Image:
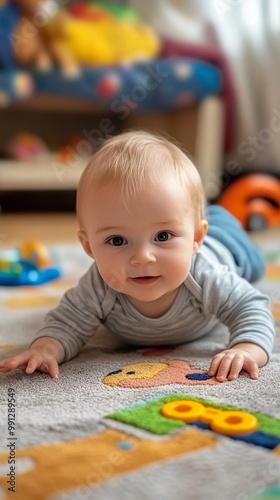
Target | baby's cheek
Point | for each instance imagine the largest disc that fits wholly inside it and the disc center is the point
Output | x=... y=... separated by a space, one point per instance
x=181 y=269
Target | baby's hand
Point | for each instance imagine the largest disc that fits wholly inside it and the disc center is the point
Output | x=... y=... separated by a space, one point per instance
x=43 y=355
x=228 y=364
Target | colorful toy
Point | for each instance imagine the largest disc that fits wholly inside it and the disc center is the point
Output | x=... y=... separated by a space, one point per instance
x=254 y=200
x=69 y=151
x=24 y=146
x=30 y=264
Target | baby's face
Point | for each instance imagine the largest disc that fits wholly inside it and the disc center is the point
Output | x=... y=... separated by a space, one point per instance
x=143 y=248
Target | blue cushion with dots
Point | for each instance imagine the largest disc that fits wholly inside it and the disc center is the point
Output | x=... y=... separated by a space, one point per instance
x=151 y=86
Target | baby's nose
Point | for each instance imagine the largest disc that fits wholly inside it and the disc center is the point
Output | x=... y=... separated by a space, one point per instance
x=142 y=255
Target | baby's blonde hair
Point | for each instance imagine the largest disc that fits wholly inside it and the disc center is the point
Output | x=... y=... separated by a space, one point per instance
x=134 y=160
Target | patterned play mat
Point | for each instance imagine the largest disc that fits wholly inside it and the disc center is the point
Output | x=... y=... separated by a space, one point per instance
x=131 y=423
x=271 y=282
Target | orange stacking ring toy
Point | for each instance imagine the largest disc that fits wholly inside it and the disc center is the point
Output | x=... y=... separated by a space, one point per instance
x=254 y=200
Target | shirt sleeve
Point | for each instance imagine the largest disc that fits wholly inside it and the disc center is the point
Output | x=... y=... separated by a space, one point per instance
x=78 y=315
x=236 y=303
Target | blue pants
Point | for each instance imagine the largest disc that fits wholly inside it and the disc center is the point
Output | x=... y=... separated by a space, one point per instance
x=228 y=231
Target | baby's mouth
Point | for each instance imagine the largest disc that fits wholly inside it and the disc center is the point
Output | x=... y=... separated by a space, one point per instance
x=144 y=279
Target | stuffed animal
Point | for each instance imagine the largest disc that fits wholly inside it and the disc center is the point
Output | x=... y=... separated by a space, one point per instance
x=37 y=37
x=46 y=35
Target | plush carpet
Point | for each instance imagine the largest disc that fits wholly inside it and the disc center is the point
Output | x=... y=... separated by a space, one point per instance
x=113 y=425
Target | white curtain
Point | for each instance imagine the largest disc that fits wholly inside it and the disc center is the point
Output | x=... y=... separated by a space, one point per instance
x=248 y=32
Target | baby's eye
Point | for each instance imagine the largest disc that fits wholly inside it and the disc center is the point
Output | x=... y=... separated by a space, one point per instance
x=163 y=236
x=117 y=241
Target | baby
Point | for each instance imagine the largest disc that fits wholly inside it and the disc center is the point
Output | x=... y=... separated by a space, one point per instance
x=157 y=278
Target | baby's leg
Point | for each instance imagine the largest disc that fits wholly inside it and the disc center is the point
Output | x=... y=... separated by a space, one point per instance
x=228 y=231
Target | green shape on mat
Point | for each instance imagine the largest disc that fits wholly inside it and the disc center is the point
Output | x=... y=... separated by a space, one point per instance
x=147 y=416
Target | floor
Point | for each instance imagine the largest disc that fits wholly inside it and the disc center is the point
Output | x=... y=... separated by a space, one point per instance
x=48 y=228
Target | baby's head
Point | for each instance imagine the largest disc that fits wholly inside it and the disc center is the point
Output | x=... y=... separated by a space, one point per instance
x=140 y=207
x=134 y=161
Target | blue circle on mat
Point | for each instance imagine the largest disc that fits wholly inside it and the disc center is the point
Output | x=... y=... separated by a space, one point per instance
x=198 y=376
x=125 y=445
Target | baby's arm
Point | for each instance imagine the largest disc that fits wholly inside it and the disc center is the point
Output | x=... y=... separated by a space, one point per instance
x=247 y=356
x=246 y=313
x=66 y=328
x=44 y=355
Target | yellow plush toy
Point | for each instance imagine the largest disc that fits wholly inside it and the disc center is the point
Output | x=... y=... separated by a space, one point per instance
x=107 y=42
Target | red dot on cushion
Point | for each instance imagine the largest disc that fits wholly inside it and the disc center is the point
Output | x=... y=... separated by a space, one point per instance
x=109 y=86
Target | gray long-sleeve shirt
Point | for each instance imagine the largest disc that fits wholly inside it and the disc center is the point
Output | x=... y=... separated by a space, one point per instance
x=212 y=293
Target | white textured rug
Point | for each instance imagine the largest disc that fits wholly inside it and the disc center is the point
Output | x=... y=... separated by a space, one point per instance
x=94 y=434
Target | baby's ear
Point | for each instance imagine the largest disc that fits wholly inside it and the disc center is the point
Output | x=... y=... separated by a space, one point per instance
x=82 y=235
x=199 y=234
